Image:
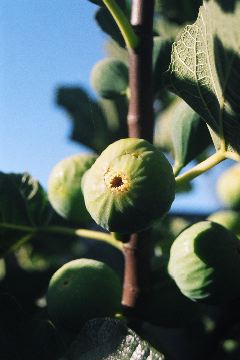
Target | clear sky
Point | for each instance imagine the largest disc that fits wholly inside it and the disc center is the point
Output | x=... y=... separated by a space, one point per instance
x=44 y=44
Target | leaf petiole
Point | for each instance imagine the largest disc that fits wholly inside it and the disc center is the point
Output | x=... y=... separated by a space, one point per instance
x=201 y=168
x=130 y=38
x=90 y=234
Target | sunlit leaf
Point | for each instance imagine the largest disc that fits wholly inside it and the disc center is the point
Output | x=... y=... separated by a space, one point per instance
x=205 y=70
x=109 y=339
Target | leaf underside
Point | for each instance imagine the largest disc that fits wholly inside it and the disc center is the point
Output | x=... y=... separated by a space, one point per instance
x=109 y=339
x=205 y=71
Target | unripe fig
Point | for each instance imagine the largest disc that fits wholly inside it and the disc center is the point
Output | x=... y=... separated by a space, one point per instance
x=109 y=78
x=205 y=263
x=129 y=186
x=81 y=290
x=64 y=187
x=230 y=219
x=167 y=306
x=228 y=187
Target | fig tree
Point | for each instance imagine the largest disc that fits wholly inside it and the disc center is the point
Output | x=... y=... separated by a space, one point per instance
x=205 y=263
x=129 y=186
x=81 y=290
x=64 y=187
x=228 y=187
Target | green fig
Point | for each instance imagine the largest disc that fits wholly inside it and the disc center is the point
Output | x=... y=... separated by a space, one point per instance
x=205 y=263
x=230 y=219
x=64 y=187
x=109 y=78
x=129 y=186
x=228 y=187
x=167 y=306
x=81 y=290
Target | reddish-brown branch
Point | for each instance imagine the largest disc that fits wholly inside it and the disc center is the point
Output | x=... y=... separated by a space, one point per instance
x=140 y=124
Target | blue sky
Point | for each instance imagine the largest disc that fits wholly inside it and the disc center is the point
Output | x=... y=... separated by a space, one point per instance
x=44 y=44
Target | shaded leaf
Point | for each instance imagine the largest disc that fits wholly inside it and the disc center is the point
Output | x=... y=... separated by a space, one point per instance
x=161 y=60
x=205 y=71
x=89 y=125
x=22 y=202
x=95 y=124
x=178 y=11
x=190 y=136
x=109 y=339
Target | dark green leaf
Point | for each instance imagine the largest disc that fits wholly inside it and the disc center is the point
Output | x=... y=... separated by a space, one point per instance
x=161 y=61
x=109 y=339
x=178 y=11
x=190 y=135
x=205 y=71
x=89 y=124
x=23 y=202
x=95 y=124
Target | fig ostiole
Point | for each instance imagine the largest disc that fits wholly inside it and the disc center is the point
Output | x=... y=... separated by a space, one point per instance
x=129 y=186
x=205 y=263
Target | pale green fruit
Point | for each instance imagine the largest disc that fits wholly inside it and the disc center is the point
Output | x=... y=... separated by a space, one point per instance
x=228 y=187
x=205 y=263
x=81 y=290
x=64 y=187
x=230 y=219
x=129 y=186
x=109 y=78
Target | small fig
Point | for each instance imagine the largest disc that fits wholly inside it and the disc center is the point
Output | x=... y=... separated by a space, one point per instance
x=129 y=186
x=81 y=290
x=64 y=187
x=109 y=78
x=230 y=219
x=205 y=263
x=228 y=187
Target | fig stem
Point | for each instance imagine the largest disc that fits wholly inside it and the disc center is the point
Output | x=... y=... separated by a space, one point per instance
x=137 y=248
x=90 y=234
x=201 y=168
x=129 y=36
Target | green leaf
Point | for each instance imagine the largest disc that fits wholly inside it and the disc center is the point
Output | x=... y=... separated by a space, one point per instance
x=205 y=71
x=178 y=11
x=23 y=202
x=161 y=61
x=109 y=339
x=89 y=124
x=190 y=135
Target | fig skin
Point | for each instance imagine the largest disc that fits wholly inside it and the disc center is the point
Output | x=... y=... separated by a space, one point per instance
x=82 y=290
x=109 y=78
x=228 y=187
x=230 y=219
x=205 y=263
x=64 y=187
x=129 y=186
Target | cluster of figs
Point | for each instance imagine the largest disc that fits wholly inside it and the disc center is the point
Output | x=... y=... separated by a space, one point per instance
x=126 y=189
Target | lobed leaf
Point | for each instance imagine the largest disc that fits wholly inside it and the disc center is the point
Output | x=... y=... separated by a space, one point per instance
x=109 y=339
x=205 y=70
